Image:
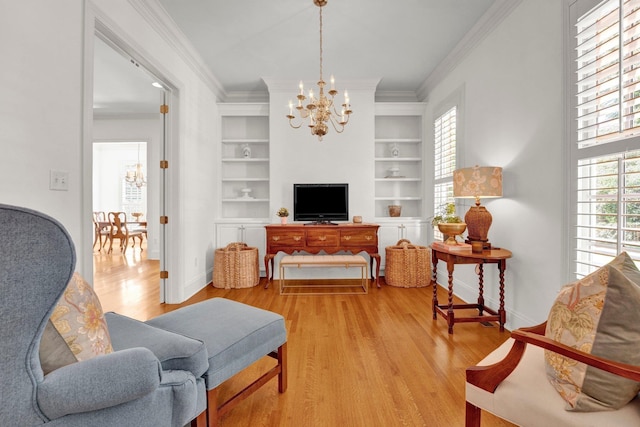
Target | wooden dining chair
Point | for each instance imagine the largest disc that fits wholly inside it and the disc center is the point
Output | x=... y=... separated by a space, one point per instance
x=100 y=229
x=119 y=230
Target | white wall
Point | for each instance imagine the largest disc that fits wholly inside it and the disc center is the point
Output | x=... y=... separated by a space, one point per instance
x=296 y=156
x=41 y=126
x=513 y=108
x=40 y=111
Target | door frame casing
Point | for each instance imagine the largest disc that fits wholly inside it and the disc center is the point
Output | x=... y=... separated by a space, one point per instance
x=96 y=24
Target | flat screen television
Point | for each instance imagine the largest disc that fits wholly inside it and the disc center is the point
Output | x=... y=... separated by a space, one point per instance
x=321 y=203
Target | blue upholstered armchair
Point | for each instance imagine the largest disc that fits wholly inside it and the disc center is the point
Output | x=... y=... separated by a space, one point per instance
x=129 y=386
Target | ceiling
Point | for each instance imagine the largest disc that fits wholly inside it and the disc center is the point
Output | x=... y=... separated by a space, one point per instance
x=400 y=42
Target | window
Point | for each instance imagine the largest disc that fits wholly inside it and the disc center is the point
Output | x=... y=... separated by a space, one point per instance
x=444 y=162
x=133 y=197
x=606 y=150
x=608 y=209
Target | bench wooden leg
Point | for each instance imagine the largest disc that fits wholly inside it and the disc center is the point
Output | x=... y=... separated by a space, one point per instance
x=215 y=411
x=200 y=421
x=282 y=362
x=212 y=407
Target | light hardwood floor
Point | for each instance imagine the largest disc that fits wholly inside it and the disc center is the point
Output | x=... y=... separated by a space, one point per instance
x=354 y=360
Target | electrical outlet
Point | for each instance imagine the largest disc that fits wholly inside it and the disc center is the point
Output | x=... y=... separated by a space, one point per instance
x=58 y=180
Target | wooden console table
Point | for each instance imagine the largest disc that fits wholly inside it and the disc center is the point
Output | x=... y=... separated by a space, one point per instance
x=354 y=238
x=492 y=256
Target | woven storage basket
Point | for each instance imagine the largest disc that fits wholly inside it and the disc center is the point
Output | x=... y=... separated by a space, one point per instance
x=236 y=266
x=407 y=265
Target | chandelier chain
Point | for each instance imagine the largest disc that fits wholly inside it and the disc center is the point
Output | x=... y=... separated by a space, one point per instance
x=321 y=43
x=320 y=110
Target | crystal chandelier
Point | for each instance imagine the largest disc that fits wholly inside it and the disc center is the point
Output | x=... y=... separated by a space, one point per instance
x=321 y=110
x=136 y=177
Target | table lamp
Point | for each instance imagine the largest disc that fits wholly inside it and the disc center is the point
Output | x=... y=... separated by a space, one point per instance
x=478 y=182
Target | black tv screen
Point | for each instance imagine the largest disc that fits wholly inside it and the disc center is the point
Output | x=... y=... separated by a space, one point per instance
x=320 y=202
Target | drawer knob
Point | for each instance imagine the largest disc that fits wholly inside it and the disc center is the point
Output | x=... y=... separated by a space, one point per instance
x=323 y=238
x=275 y=238
x=347 y=237
x=369 y=237
x=297 y=238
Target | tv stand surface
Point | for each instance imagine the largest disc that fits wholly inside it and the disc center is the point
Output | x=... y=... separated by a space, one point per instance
x=321 y=223
x=313 y=238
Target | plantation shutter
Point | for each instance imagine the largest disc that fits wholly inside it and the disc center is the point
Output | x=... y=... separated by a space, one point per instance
x=607 y=149
x=598 y=74
x=444 y=158
x=608 y=72
x=608 y=210
x=631 y=66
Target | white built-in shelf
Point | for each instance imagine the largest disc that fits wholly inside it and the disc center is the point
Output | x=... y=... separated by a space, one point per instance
x=244 y=160
x=244 y=200
x=398 y=151
x=244 y=125
x=245 y=179
x=245 y=141
x=398 y=140
x=398 y=159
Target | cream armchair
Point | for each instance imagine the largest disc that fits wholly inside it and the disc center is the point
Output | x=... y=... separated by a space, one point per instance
x=511 y=384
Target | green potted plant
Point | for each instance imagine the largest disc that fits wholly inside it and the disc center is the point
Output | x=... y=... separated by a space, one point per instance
x=283 y=213
x=449 y=223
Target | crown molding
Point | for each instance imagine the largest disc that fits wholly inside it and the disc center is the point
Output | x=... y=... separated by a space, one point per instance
x=279 y=85
x=396 y=96
x=243 y=109
x=153 y=12
x=487 y=23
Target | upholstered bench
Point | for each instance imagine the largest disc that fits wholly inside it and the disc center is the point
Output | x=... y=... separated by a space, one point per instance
x=235 y=335
x=345 y=261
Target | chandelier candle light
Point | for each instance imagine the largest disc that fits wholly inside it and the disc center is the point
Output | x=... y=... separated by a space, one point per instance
x=476 y=183
x=136 y=177
x=321 y=110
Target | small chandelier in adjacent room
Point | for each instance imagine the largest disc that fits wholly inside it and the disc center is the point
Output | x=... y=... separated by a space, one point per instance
x=136 y=177
x=320 y=110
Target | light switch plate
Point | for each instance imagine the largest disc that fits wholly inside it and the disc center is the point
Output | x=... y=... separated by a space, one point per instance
x=59 y=180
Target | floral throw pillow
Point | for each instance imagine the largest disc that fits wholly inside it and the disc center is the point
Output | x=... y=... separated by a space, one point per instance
x=600 y=315
x=77 y=329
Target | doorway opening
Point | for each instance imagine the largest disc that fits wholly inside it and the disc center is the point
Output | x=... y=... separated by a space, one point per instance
x=128 y=128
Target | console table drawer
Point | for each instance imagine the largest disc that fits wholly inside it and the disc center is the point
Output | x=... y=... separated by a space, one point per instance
x=358 y=237
x=328 y=238
x=288 y=239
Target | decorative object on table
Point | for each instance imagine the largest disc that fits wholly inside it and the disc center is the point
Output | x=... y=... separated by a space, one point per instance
x=449 y=224
x=458 y=247
x=246 y=151
x=283 y=213
x=395 y=210
x=321 y=110
x=395 y=150
x=236 y=266
x=476 y=183
x=245 y=193
x=407 y=265
x=357 y=219
x=476 y=247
